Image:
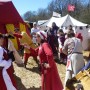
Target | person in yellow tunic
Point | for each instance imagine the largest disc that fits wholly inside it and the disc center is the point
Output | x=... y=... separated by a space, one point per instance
x=24 y=39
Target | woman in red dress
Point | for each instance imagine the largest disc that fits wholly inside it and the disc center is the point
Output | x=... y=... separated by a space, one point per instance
x=49 y=73
x=7 y=81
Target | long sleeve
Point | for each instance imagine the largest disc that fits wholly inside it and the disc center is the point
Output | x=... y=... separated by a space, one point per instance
x=17 y=35
x=49 y=53
x=1 y=53
x=34 y=51
x=2 y=62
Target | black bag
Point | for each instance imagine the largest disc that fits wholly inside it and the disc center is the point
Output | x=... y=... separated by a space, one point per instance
x=11 y=56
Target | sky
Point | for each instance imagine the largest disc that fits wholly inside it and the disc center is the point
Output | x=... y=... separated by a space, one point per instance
x=23 y=6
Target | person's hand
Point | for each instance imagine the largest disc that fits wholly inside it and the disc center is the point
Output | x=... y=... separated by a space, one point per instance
x=26 y=46
x=6 y=35
x=46 y=65
x=23 y=44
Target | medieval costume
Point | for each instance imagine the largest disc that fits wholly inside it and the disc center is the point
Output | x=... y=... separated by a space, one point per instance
x=49 y=74
x=53 y=39
x=25 y=39
x=61 y=40
x=7 y=81
x=8 y=44
x=75 y=61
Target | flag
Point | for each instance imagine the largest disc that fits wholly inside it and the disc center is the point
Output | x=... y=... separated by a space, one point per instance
x=55 y=14
x=71 y=8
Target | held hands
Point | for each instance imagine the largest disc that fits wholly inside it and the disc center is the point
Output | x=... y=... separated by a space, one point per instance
x=46 y=65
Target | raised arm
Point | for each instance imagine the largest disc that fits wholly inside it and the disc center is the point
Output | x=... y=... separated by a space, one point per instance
x=34 y=51
x=17 y=35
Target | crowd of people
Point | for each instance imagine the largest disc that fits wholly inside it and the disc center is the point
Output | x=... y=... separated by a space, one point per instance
x=46 y=45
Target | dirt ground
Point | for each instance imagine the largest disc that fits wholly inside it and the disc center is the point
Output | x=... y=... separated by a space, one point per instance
x=29 y=79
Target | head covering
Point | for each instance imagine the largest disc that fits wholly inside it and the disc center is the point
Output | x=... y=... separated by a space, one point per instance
x=34 y=24
x=42 y=34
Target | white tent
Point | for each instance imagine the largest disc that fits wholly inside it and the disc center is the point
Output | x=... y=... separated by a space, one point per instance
x=64 y=21
x=51 y=20
x=71 y=21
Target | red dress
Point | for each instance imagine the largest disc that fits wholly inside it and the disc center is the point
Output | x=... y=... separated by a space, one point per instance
x=10 y=72
x=50 y=80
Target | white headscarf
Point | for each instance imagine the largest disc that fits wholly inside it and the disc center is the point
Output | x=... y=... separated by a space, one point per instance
x=42 y=34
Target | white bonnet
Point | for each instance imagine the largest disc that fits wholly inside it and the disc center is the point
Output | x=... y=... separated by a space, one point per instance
x=42 y=34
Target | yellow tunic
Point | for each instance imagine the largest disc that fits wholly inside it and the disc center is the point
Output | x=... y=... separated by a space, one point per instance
x=26 y=39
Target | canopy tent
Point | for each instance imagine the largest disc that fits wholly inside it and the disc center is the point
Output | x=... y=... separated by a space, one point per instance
x=71 y=21
x=48 y=23
x=10 y=19
x=55 y=16
x=64 y=21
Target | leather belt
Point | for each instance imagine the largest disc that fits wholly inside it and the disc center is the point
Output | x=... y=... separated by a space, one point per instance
x=77 y=52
